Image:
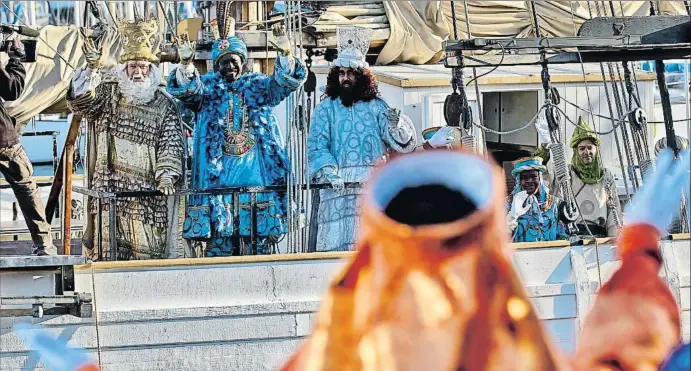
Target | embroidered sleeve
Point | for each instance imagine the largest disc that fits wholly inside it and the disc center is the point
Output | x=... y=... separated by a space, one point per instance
x=271 y=90
x=186 y=85
x=170 y=145
x=397 y=130
x=319 y=153
x=86 y=94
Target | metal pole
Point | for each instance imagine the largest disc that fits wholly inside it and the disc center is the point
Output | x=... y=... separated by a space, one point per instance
x=112 y=238
x=666 y=106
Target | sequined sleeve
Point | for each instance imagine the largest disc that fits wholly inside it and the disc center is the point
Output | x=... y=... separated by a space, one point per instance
x=188 y=91
x=86 y=94
x=170 y=144
x=261 y=90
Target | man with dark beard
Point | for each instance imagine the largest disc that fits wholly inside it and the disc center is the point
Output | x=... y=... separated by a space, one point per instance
x=136 y=144
x=351 y=130
x=237 y=143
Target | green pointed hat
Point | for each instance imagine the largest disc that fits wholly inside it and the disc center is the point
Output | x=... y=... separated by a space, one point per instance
x=583 y=131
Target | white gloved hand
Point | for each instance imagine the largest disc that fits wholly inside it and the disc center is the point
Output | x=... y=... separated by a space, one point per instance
x=165 y=184
x=334 y=179
x=543 y=128
x=517 y=208
x=657 y=201
x=442 y=138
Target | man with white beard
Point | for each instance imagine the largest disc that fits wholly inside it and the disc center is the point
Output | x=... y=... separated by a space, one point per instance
x=136 y=144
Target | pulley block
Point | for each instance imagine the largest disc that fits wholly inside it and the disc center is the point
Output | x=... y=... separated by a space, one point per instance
x=638 y=118
x=453 y=109
x=553 y=118
x=310 y=83
x=457 y=112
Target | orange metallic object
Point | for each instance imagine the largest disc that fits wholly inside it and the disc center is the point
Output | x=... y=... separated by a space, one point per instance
x=446 y=297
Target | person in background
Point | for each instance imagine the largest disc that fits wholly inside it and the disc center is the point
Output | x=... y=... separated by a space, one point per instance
x=136 y=144
x=14 y=163
x=592 y=184
x=351 y=130
x=533 y=210
x=237 y=143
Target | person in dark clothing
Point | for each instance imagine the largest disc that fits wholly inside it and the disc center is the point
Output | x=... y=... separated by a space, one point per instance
x=14 y=163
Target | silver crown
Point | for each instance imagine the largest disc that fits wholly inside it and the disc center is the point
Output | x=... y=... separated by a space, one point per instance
x=353 y=42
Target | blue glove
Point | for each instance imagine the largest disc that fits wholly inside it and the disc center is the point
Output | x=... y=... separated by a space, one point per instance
x=679 y=360
x=54 y=353
x=657 y=201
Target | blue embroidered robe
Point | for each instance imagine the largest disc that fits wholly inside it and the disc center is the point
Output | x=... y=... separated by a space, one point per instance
x=237 y=142
x=541 y=223
x=351 y=140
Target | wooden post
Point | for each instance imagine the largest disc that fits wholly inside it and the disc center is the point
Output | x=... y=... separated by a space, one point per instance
x=68 y=159
x=55 y=189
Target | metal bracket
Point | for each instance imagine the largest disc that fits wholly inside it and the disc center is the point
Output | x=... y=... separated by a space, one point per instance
x=78 y=305
x=605 y=39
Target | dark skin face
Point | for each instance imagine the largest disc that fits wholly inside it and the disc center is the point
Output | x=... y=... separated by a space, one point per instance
x=530 y=179
x=230 y=67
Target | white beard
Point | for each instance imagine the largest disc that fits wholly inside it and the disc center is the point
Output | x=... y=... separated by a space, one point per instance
x=138 y=93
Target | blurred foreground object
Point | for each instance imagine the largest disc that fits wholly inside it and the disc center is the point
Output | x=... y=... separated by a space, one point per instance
x=432 y=286
x=54 y=352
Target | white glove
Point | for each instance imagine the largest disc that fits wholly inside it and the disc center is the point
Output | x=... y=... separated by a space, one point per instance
x=543 y=128
x=334 y=179
x=517 y=208
x=657 y=201
x=442 y=138
x=165 y=184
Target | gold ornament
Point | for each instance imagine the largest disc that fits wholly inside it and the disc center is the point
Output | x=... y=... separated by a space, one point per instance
x=138 y=39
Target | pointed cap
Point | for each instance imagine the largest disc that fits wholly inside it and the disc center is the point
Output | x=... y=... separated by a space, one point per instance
x=583 y=131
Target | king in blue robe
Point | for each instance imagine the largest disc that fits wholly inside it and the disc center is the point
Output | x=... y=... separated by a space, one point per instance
x=237 y=143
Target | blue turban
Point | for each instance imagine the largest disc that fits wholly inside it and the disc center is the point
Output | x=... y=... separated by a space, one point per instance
x=227 y=46
x=527 y=163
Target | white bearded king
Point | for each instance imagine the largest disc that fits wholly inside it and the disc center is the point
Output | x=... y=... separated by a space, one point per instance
x=135 y=144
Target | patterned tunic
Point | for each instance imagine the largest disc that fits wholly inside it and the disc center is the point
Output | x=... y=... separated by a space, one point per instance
x=351 y=140
x=237 y=142
x=132 y=147
x=540 y=225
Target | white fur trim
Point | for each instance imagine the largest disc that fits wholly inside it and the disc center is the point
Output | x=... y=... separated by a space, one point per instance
x=459 y=171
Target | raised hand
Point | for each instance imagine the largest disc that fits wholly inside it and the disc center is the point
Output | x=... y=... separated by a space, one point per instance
x=187 y=49
x=443 y=137
x=393 y=115
x=657 y=201
x=92 y=52
x=280 y=41
x=15 y=49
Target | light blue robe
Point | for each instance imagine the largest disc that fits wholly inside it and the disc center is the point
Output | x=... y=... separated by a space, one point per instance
x=351 y=140
x=247 y=151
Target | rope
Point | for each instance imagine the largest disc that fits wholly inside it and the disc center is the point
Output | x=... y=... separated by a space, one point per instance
x=98 y=334
x=480 y=142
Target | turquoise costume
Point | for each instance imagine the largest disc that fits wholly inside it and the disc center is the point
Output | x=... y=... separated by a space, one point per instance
x=541 y=222
x=237 y=143
x=350 y=141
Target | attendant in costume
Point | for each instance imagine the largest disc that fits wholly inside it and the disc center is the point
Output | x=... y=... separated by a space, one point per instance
x=592 y=184
x=137 y=145
x=350 y=131
x=433 y=287
x=237 y=142
x=677 y=225
x=533 y=211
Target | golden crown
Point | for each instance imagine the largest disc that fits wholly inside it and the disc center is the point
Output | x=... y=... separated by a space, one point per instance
x=138 y=40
